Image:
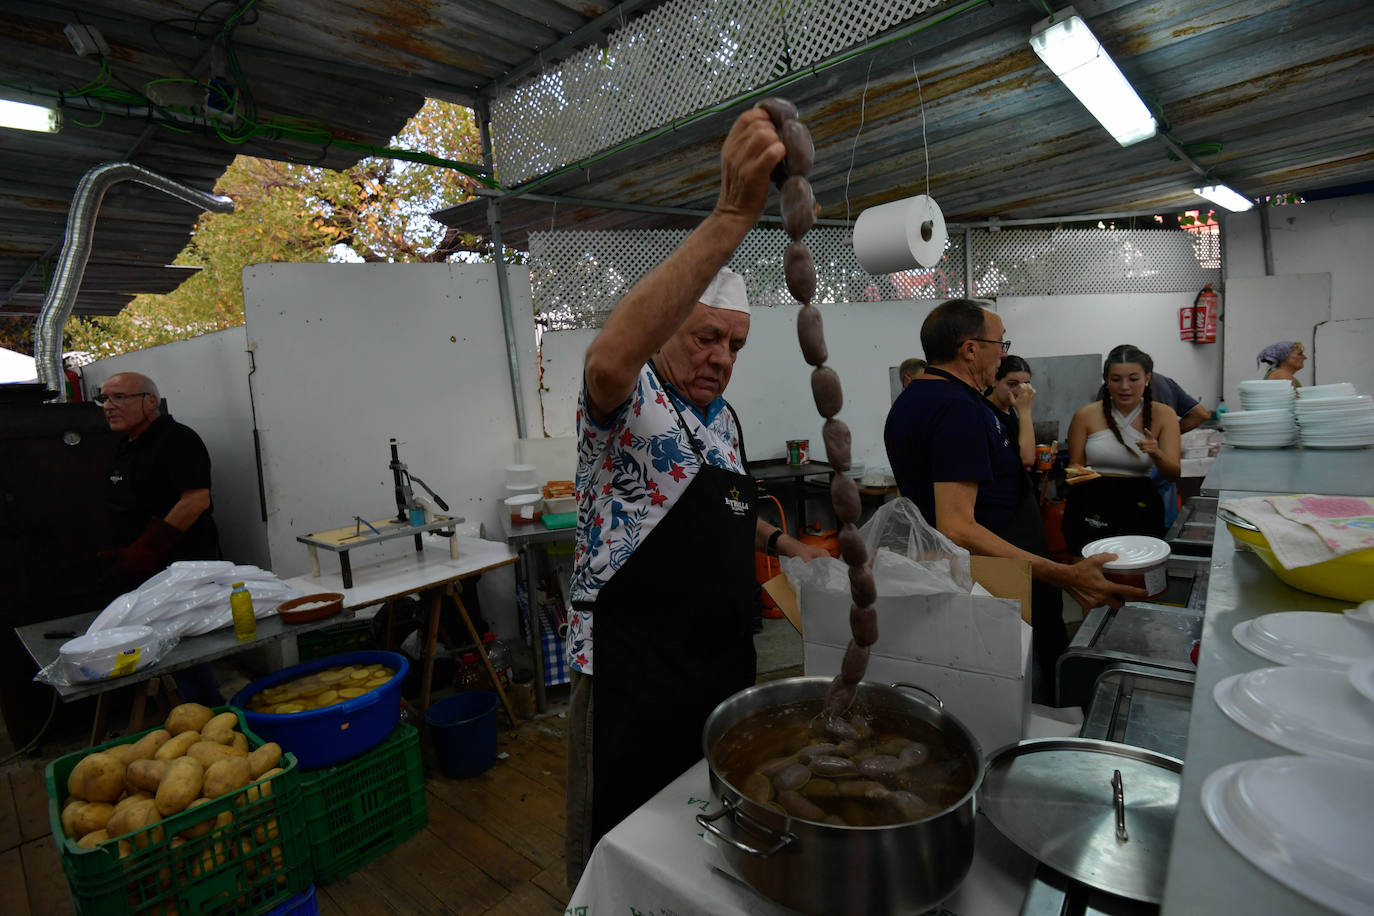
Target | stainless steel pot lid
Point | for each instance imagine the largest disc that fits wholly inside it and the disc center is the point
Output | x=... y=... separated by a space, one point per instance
x=1063 y=802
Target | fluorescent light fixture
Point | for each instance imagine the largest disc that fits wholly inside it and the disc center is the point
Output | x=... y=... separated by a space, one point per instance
x=1223 y=196
x=1068 y=47
x=25 y=111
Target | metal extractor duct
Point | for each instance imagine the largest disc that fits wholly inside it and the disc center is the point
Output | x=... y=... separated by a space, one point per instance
x=76 y=251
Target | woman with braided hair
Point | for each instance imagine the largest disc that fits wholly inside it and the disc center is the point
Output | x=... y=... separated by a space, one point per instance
x=1121 y=438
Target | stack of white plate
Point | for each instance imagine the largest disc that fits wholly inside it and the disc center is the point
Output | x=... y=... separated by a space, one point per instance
x=1270 y=394
x=1273 y=428
x=1340 y=421
x=1334 y=390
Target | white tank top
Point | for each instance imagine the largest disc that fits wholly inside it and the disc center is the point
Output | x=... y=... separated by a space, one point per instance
x=1105 y=455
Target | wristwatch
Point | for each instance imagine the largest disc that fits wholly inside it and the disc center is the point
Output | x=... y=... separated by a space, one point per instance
x=772 y=548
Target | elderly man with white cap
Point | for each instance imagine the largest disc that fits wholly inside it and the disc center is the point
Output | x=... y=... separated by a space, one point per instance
x=667 y=517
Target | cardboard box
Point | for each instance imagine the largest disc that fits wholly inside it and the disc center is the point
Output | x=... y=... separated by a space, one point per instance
x=973 y=651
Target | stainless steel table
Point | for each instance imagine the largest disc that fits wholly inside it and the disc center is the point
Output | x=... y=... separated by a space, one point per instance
x=525 y=539
x=1332 y=472
x=1206 y=875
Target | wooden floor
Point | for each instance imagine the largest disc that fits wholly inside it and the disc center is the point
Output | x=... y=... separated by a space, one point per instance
x=494 y=843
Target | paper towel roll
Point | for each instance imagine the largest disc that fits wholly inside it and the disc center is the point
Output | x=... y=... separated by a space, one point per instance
x=900 y=235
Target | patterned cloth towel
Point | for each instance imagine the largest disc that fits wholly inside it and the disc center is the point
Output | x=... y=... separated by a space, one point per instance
x=555 y=655
x=1308 y=529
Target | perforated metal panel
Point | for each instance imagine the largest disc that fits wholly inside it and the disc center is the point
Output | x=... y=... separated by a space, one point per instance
x=1038 y=263
x=675 y=60
x=578 y=277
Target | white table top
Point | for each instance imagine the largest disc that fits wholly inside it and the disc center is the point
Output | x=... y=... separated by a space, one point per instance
x=656 y=861
x=384 y=580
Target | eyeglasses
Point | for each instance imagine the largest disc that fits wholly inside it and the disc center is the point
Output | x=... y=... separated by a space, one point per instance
x=1004 y=344
x=120 y=398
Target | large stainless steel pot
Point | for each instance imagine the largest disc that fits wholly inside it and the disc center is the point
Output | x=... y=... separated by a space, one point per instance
x=824 y=869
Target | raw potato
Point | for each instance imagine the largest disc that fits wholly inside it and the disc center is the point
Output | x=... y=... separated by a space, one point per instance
x=177 y=747
x=92 y=817
x=145 y=819
x=240 y=742
x=208 y=752
x=93 y=839
x=201 y=828
x=99 y=777
x=225 y=776
x=221 y=728
x=180 y=786
x=264 y=759
x=146 y=775
x=188 y=717
x=147 y=746
x=124 y=753
x=69 y=814
x=132 y=799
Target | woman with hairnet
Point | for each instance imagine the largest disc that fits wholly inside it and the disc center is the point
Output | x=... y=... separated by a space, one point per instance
x=1284 y=359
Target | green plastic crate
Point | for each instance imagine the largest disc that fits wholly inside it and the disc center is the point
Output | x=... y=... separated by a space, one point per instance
x=346 y=637
x=257 y=862
x=361 y=808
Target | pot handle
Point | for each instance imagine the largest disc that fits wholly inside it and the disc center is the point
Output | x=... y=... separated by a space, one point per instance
x=707 y=821
x=939 y=703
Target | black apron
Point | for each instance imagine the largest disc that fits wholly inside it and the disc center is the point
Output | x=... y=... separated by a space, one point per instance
x=1109 y=506
x=672 y=639
x=1026 y=529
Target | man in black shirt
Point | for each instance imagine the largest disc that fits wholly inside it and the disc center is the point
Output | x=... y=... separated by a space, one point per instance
x=953 y=459
x=159 y=484
x=158 y=495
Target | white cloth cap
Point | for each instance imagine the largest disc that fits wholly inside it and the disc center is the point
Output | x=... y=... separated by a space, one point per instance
x=727 y=292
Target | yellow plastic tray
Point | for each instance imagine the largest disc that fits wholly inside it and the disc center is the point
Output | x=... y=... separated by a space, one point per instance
x=1350 y=577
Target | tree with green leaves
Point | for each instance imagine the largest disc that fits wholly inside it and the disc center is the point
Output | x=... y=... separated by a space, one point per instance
x=287 y=212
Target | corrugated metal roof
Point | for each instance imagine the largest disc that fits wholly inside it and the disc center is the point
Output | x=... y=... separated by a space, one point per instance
x=361 y=69
x=1284 y=87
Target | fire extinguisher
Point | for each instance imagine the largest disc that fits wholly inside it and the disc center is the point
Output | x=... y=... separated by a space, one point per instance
x=1206 y=307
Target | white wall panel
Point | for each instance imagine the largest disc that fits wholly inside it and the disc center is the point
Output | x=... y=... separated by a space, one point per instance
x=205 y=382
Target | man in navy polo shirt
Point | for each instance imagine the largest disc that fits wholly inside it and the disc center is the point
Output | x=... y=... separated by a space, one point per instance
x=953 y=459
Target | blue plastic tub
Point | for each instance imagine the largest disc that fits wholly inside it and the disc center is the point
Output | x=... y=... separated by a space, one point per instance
x=303 y=904
x=323 y=737
x=463 y=729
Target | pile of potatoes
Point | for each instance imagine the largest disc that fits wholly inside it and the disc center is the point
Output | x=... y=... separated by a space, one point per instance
x=320 y=688
x=196 y=757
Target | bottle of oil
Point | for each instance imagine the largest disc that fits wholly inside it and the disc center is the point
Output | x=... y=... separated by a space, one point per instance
x=241 y=603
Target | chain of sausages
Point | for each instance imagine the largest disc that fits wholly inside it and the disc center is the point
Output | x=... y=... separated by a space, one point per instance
x=798 y=216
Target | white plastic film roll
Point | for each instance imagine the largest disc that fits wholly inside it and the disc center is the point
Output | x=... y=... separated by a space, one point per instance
x=901 y=235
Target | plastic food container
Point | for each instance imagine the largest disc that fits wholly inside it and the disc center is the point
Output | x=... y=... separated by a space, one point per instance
x=108 y=653
x=1140 y=561
x=525 y=508
x=559 y=504
x=321 y=737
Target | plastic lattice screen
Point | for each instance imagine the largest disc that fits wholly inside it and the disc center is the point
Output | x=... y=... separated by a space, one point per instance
x=674 y=61
x=578 y=277
x=1038 y=262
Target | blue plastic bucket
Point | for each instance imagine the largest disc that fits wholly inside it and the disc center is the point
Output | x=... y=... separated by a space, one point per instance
x=326 y=736
x=463 y=729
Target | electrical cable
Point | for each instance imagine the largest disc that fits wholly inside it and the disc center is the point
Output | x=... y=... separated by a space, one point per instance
x=863 y=101
x=52 y=710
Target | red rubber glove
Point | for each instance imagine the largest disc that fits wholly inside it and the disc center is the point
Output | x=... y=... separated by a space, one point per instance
x=145 y=556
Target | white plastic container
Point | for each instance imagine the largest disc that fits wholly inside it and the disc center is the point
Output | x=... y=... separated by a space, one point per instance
x=1140 y=561
x=525 y=508
x=108 y=653
x=555 y=505
x=521 y=475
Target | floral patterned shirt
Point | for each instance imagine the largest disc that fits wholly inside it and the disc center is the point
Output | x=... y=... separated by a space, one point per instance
x=630 y=473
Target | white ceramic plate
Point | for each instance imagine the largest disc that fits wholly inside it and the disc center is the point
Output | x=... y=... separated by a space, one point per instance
x=1304 y=821
x=1314 y=711
x=1364 y=444
x=1362 y=679
x=1306 y=638
x=1364 y=614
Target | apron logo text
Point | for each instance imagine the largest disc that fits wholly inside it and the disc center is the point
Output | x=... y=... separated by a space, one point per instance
x=736 y=505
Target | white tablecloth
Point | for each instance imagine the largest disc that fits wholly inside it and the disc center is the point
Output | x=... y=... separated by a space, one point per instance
x=659 y=861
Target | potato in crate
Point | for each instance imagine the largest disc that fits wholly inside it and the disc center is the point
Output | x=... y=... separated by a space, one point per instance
x=198 y=816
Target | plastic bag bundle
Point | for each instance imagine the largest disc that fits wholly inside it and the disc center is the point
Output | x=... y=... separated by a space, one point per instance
x=192 y=598
x=898 y=526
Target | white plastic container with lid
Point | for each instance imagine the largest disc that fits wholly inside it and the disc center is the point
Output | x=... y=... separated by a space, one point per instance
x=109 y=653
x=1140 y=561
x=525 y=508
x=521 y=475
